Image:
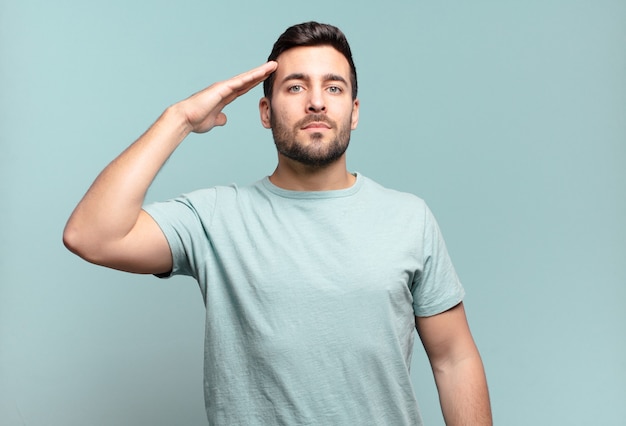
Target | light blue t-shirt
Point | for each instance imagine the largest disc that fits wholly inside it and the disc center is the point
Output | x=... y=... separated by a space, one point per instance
x=311 y=299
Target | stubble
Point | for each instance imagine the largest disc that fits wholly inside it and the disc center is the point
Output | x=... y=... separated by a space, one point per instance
x=314 y=152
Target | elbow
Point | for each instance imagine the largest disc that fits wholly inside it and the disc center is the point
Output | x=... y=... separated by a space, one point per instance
x=74 y=239
x=71 y=239
x=88 y=244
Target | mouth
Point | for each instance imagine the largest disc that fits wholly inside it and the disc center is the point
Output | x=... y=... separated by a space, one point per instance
x=316 y=125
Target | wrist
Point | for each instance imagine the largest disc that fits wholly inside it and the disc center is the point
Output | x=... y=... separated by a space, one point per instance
x=175 y=117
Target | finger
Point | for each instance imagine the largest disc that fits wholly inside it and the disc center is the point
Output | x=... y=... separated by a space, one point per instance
x=242 y=83
x=256 y=75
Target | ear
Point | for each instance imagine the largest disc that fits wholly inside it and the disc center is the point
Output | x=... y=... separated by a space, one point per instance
x=355 y=114
x=265 y=111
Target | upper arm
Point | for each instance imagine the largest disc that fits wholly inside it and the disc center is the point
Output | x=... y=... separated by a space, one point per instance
x=446 y=336
x=143 y=250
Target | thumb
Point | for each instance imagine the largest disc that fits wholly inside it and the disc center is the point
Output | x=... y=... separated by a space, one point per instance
x=221 y=119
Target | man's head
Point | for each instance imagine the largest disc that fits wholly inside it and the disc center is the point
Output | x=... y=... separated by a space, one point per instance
x=311 y=34
x=310 y=101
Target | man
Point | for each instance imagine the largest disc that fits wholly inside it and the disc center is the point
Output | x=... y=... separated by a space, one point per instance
x=314 y=278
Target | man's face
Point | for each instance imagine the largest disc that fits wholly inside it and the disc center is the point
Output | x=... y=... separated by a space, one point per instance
x=312 y=112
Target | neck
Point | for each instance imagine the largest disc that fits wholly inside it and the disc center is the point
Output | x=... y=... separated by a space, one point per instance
x=295 y=176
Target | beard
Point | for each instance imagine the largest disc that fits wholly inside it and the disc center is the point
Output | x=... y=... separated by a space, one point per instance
x=317 y=153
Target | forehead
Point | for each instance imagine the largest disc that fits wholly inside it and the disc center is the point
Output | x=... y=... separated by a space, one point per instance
x=312 y=61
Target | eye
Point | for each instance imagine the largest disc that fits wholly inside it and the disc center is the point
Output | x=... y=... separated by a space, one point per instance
x=335 y=90
x=296 y=88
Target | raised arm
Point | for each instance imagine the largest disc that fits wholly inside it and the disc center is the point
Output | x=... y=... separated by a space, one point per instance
x=457 y=368
x=108 y=226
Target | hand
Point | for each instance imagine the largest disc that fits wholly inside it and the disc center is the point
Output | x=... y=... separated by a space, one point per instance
x=203 y=110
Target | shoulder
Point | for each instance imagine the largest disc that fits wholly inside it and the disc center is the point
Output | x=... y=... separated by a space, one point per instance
x=392 y=197
x=212 y=195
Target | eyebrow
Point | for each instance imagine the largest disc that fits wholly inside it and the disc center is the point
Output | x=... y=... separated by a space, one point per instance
x=326 y=77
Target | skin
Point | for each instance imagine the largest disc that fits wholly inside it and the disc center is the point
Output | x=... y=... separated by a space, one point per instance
x=457 y=367
x=312 y=83
x=311 y=109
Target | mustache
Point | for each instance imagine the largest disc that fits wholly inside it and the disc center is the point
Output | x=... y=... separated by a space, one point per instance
x=315 y=118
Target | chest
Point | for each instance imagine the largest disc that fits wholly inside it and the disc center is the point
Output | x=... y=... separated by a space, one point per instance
x=317 y=256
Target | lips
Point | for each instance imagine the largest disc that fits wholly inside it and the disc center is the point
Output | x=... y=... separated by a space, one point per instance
x=317 y=125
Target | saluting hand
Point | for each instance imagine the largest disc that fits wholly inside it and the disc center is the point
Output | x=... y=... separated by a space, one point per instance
x=203 y=110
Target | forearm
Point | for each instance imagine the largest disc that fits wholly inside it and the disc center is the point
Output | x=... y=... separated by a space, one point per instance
x=463 y=392
x=111 y=206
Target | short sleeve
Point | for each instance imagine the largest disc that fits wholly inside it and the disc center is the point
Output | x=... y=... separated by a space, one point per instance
x=185 y=221
x=437 y=288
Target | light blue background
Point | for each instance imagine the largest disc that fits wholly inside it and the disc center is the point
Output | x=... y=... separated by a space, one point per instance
x=508 y=117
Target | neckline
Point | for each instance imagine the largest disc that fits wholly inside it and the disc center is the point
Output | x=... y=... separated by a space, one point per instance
x=333 y=193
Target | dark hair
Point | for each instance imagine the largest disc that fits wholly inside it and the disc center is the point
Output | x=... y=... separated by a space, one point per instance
x=311 y=34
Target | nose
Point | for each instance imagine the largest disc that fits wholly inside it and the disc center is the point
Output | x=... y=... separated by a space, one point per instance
x=316 y=102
